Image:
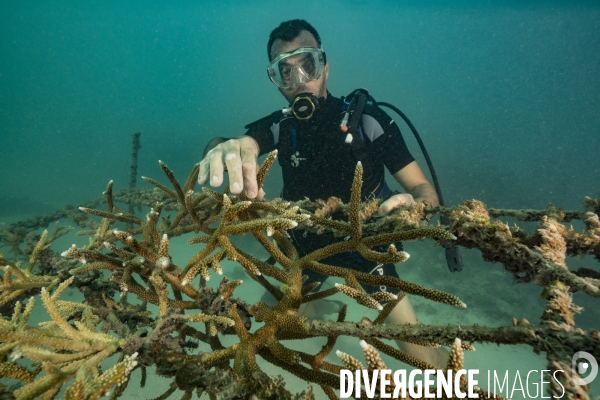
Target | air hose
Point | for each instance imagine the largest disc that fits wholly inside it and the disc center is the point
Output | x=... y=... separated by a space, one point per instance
x=453 y=256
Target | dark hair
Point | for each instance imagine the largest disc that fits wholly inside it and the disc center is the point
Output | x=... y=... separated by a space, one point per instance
x=289 y=30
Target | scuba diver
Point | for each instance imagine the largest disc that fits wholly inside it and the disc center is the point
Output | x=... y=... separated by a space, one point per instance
x=320 y=138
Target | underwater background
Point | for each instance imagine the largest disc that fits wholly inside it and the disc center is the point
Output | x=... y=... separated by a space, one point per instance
x=505 y=95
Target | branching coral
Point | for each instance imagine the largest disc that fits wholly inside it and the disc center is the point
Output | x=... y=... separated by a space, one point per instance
x=18 y=281
x=62 y=350
x=140 y=265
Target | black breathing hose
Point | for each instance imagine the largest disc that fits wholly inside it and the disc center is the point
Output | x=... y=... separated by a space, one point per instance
x=453 y=256
x=436 y=183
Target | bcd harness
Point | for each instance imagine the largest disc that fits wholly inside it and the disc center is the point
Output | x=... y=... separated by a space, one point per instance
x=293 y=127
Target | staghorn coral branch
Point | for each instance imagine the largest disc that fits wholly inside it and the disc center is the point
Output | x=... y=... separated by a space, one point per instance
x=170 y=193
x=56 y=316
x=264 y=168
x=273 y=250
x=360 y=296
x=349 y=361
x=318 y=377
x=41 y=245
x=108 y=193
x=190 y=182
x=42 y=355
x=354 y=211
x=173 y=180
x=189 y=204
x=320 y=295
x=261 y=224
x=128 y=219
x=265 y=268
x=98 y=387
x=16 y=371
x=375 y=280
x=400 y=355
x=153 y=298
x=392 y=256
x=94 y=267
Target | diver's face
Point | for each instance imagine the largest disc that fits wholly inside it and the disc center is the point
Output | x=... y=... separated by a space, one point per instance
x=317 y=87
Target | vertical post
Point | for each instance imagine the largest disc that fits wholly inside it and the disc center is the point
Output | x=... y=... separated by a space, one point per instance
x=135 y=147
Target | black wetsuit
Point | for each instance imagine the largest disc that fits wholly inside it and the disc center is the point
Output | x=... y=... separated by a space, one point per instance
x=317 y=163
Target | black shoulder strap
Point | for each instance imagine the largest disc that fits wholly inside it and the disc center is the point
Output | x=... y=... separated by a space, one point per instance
x=356 y=105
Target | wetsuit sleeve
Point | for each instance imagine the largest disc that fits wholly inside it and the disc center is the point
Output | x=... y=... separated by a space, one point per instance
x=387 y=140
x=263 y=132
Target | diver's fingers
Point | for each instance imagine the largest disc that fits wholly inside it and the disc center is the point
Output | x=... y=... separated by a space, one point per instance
x=215 y=160
x=261 y=194
x=234 y=169
x=203 y=171
x=395 y=201
x=249 y=171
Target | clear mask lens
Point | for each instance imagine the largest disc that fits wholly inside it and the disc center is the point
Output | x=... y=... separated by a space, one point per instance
x=289 y=70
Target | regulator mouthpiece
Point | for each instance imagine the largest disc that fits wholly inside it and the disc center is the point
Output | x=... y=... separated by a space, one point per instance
x=303 y=107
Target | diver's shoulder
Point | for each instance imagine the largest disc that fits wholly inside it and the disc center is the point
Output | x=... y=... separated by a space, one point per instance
x=377 y=113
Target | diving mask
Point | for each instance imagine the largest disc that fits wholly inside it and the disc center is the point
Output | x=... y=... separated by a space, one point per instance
x=294 y=68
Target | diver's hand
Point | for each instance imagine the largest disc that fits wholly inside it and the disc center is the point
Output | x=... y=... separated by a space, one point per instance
x=238 y=158
x=395 y=201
